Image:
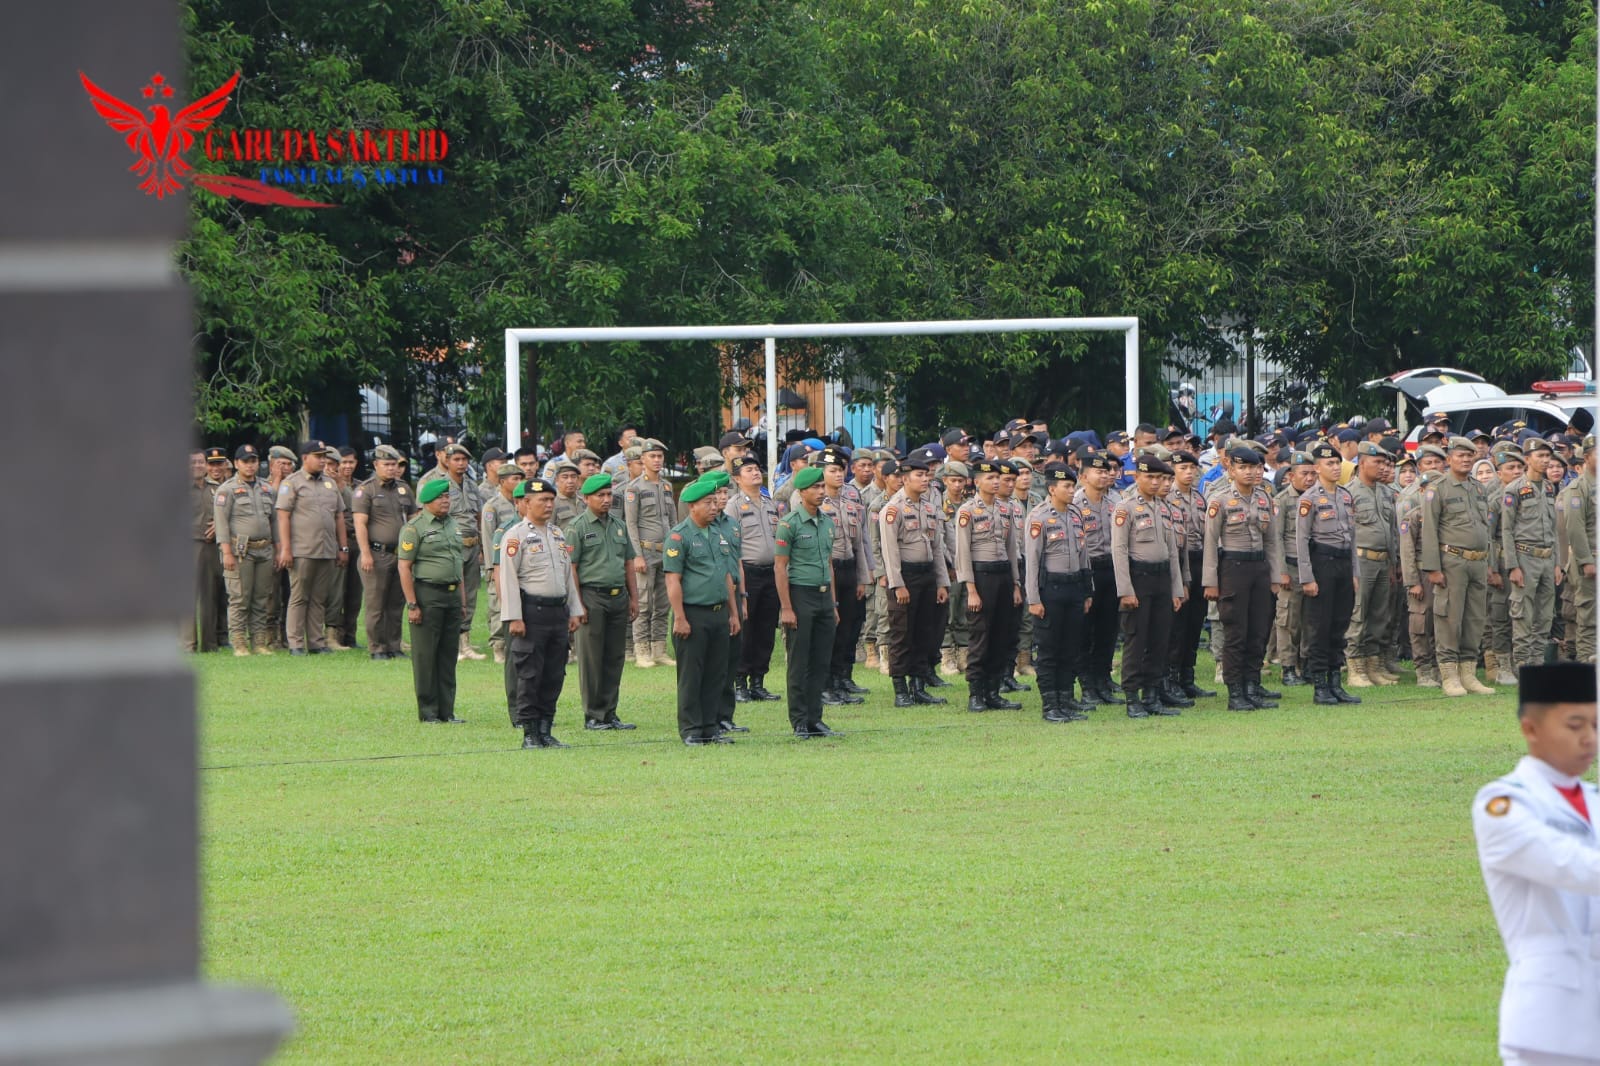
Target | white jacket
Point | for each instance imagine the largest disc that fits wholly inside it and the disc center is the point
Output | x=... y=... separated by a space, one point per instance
x=1541 y=863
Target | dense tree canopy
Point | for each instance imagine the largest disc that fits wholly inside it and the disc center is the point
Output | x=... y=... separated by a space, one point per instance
x=1361 y=184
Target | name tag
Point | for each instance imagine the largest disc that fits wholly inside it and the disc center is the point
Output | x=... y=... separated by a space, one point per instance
x=1145 y=522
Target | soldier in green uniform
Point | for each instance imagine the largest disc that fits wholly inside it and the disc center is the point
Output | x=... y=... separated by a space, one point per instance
x=704 y=614
x=430 y=562
x=808 y=612
x=1576 y=506
x=729 y=537
x=383 y=504
x=1528 y=548
x=601 y=552
x=540 y=605
x=1453 y=553
x=246 y=532
x=465 y=507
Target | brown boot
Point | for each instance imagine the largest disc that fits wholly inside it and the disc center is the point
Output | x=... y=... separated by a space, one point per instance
x=1358 y=674
x=1428 y=676
x=1470 y=682
x=871 y=662
x=467 y=651
x=1024 y=664
x=1376 y=673
x=1450 y=679
x=659 y=651
x=947 y=663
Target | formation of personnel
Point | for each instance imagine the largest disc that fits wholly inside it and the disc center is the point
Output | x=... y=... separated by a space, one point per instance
x=1333 y=554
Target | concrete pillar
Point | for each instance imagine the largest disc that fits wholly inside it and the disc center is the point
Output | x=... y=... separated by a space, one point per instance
x=99 y=918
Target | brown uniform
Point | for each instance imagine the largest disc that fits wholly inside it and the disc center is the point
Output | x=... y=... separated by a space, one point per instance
x=986 y=544
x=650 y=512
x=243 y=515
x=387 y=507
x=1145 y=562
x=912 y=536
x=316 y=509
x=1455 y=541
x=1243 y=556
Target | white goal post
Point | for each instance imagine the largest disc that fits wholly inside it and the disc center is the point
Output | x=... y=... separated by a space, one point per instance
x=516 y=338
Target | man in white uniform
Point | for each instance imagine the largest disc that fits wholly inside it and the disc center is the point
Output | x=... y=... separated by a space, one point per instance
x=1541 y=863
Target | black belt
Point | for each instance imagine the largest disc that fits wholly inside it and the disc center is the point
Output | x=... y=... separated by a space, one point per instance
x=707 y=606
x=991 y=568
x=812 y=588
x=1137 y=567
x=1243 y=557
x=447 y=585
x=605 y=590
x=1328 y=551
x=545 y=601
x=381 y=547
x=758 y=566
x=1290 y=561
x=844 y=564
x=916 y=568
x=1075 y=578
x=1100 y=562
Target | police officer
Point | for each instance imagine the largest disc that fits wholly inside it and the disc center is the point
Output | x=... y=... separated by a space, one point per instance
x=430 y=564
x=1188 y=509
x=601 y=552
x=540 y=605
x=568 y=476
x=465 y=508
x=1528 y=547
x=649 y=511
x=1057 y=582
x=499 y=514
x=888 y=475
x=1377 y=553
x=383 y=504
x=1541 y=863
x=756 y=517
x=1012 y=472
x=1289 y=633
x=311 y=546
x=911 y=533
x=1147 y=564
x=1326 y=548
x=344 y=603
x=1095 y=500
x=1510 y=465
x=807 y=594
x=1419 y=592
x=952 y=481
x=1243 y=566
x=1454 y=555
x=246 y=533
x=1576 y=505
x=851 y=563
x=209 y=470
x=986 y=546
x=705 y=612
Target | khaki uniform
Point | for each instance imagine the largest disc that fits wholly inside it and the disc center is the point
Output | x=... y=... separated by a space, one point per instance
x=567 y=508
x=1188 y=514
x=1576 y=507
x=315 y=507
x=1288 y=632
x=1527 y=531
x=851 y=561
x=1148 y=564
x=1408 y=515
x=498 y=515
x=957 y=632
x=911 y=535
x=1325 y=544
x=1455 y=541
x=1497 y=616
x=650 y=512
x=243 y=514
x=1377 y=548
x=1243 y=557
x=878 y=616
x=202 y=635
x=388 y=506
x=757 y=520
x=344 y=600
x=538 y=589
x=870 y=495
x=1056 y=574
x=1100 y=629
x=987 y=542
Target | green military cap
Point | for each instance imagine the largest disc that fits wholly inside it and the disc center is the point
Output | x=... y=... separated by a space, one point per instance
x=717 y=479
x=278 y=451
x=954 y=468
x=1462 y=444
x=457 y=449
x=652 y=445
x=1536 y=444
x=332 y=454
x=806 y=478
x=432 y=490
x=594 y=483
x=698 y=491
x=1366 y=448
x=1022 y=464
x=505 y=470
x=1431 y=449
x=384 y=451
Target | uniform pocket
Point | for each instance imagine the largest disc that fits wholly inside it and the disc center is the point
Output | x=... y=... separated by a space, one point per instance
x=1441 y=602
x=1559 y=971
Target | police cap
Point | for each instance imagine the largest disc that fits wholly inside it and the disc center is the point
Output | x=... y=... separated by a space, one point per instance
x=385 y=451
x=1053 y=472
x=1324 y=451
x=216 y=455
x=245 y=451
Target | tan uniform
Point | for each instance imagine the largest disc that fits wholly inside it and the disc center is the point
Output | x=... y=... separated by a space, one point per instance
x=1325 y=543
x=1101 y=626
x=1377 y=546
x=912 y=536
x=650 y=511
x=243 y=513
x=1455 y=541
x=208 y=576
x=1576 y=506
x=498 y=515
x=1408 y=518
x=1243 y=559
x=986 y=545
x=1147 y=563
x=1527 y=530
x=316 y=509
x=1288 y=644
x=387 y=507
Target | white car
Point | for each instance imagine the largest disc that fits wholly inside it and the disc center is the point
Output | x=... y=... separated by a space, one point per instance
x=1471 y=403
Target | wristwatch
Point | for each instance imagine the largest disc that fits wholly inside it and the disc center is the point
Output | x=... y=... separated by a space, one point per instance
x=412 y=607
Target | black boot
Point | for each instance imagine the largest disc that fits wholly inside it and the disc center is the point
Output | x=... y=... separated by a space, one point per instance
x=902 y=693
x=544 y=733
x=1258 y=695
x=932 y=680
x=842 y=691
x=1335 y=683
x=1106 y=691
x=1171 y=692
x=532 y=737
x=1136 y=707
x=1075 y=710
x=848 y=684
x=1323 y=692
x=1110 y=687
x=741 y=689
x=1155 y=698
x=1009 y=683
x=1053 y=711
x=1292 y=677
x=997 y=702
x=977 y=696
x=1262 y=693
x=1239 y=699
x=758 y=690
x=919 y=692
x=1190 y=689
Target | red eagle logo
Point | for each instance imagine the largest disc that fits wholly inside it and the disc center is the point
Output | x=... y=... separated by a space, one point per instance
x=160 y=139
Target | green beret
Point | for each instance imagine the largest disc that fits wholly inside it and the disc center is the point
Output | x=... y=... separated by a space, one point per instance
x=594 y=483
x=699 y=490
x=807 y=477
x=432 y=490
x=717 y=479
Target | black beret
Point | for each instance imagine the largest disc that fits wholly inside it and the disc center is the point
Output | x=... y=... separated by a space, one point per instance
x=1247 y=456
x=1059 y=472
x=1008 y=467
x=1325 y=451
x=1093 y=457
x=1556 y=683
x=1149 y=464
x=984 y=466
x=1179 y=458
x=744 y=461
x=836 y=455
x=889 y=467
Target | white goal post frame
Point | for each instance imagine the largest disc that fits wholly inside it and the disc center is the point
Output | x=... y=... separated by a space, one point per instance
x=516 y=338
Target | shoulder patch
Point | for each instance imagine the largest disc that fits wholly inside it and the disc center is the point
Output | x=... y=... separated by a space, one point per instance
x=510 y=549
x=1305 y=508
x=222 y=497
x=672 y=552
x=1498 y=806
x=407 y=545
x=1035 y=528
x=359 y=493
x=1428 y=493
x=964 y=518
x=1510 y=499
x=1121 y=518
x=630 y=494
x=1211 y=512
x=402 y=490
x=676 y=536
x=888 y=515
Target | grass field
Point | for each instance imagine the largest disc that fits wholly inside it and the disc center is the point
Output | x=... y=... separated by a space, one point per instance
x=1288 y=886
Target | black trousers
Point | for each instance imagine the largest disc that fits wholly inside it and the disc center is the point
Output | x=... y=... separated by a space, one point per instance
x=760 y=629
x=1058 y=636
x=1191 y=621
x=1147 y=630
x=1100 y=634
x=1327 y=614
x=810 y=646
x=541 y=658
x=702 y=669
x=1246 y=610
x=852 y=616
x=915 y=626
x=994 y=627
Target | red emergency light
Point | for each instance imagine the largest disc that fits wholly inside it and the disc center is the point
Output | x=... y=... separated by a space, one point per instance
x=1564 y=388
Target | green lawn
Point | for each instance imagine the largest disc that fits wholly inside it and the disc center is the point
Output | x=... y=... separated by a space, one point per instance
x=1294 y=886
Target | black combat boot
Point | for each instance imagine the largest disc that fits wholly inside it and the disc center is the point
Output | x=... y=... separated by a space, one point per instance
x=741 y=689
x=902 y=693
x=1259 y=695
x=1338 y=688
x=1076 y=710
x=1262 y=693
x=1053 y=711
x=919 y=692
x=1239 y=699
x=1107 y=691
x=1110 y=687
x=1292 y=677
x=1136 y=707
x=532 y=737
x=848 y=684
x=997 y=702
x=758 y=690
x=1008 y=682
x=977 y=701
x=1171 y=692
x=1155 y=702
x=844 y=691
x=1190 y=689
x=1322 y=693
x=545 y=725
x=932 y=679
